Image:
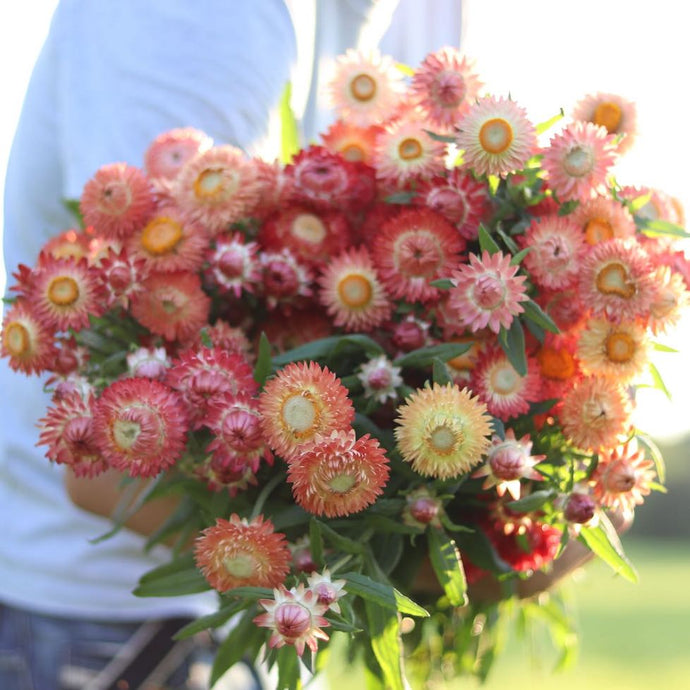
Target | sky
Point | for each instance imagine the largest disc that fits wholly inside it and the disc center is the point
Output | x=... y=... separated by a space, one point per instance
x=546 y=54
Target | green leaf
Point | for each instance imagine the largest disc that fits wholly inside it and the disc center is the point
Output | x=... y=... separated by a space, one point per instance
x=547 y=124
x=657 y=228
x=316 y=542
x=535 y=313
x=177 y=565
x=655 y=455
x=74 y=208
x=325 y=347
x=288 y=669
x=445 y=559
x=517 y=258
x=532 y=501
x=445 y=138
x=442 y=283
x=424 y=356
x=338 y=540
x=289 y=137
x=244 y=635
x=486 y=242
x=381 y=594
x=189 y=581
x=250 y=593
x=440 y=373
x=604 y=542
x=263 y=362
x=213 y=620
x=386 y=644
x=660 y=347
x=512 y=340
x=400 y=198
x=568 y=207
x=658 y=381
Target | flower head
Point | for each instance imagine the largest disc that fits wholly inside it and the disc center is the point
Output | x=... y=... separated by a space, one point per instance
x=601 y=218
x=442 y=431
x=233 y=264
x=380 y=377
x=611 y=111
x=353 y=143
x=169 y=151
x=26 y=341
x=327 y=590
x=242 y=553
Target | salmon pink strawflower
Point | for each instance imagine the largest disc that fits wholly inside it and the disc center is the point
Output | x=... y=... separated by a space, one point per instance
x=242 y=553
x=602 y=218
x=168 y=152
x=413 y=249
x=352 y=292
x=295 y=617
x=442 y=431
x=578 y=160
x=140 y=426
x=595 y=413
x=117 y=200
x=26 y=341
x=496 y=137
x=355 y=144
x=444 y=86
x=172 y=305
x=121 y=276
x=611 y=111
x=301 y=401
x=338 y=474
x=486 y=292
x=670 y=298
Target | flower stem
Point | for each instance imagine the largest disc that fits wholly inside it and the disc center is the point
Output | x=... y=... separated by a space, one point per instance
x=265 y=493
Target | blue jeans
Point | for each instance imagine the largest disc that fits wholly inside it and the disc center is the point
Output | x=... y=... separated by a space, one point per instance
x=40 y=652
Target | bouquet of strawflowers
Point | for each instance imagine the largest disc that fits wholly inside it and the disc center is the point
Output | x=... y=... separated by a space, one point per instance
x=389 y=379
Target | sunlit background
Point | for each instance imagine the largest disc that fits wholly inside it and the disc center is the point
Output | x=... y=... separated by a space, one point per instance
x=547 y=54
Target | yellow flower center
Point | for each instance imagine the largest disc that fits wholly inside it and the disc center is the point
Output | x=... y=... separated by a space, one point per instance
x=354 y=290
x=63 y=291
x=161 y=235
x=309 y=228
x=125 y=433
x=214 y=183
x=505 y=380
x=299 y=414
x=598 y=230
x=363 y=87
x=410 y=149
x=443 y=439
x=353 y=152
x=620 y=347
x=613 y=279
x=16 y=339
x=496 y=135
x=578 y=162
x=556 y=364
x=241 y=565
x=608 y=115
x=342 y=483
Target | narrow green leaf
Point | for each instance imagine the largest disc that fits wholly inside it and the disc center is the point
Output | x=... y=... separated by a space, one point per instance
x=443 y=283
x=660 y=347
x=239 y=641
x=658 y=381
x=639 y=202
x=547 y=124
x=176 y=584
x=440 y=373
x=405 y=69
x=177 y=565
x=517 y=258
x=288 y=669
x=400 y=198
x=535 y=313
x=289 y=137
x=316 y=542
x=324 y=347
x=74 y=207
x=445 y=559
x=486 y=242
x=386 y=644
x=424 y=356
x=655 y=455
x=263 y=362
x=532 y=501
x=568 y=207
x=250 y=593
x=657 y=228
x=212 y=621
x=445 y=138
x=512 y=340
x=381 y=594
x=606 y=544
x=338 y=540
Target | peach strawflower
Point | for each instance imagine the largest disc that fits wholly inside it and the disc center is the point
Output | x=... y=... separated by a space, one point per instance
x=557 y=247
x=506 y=393
x=578 y=160
x=71 y=244
x=295 y=618
x=611 y=111
x=365 y=88
x=658 y=206
x=327 y=590
x=117 y=200
x=235 y=422
x=26 y=341
x=203 y=375
x=670 y=298
x=352 y=292
x=301 y=401
x=242 y=553
x=380 y=378
x=414 y=248
x=496 y=137
x=602 y=218
x=140 y=426
x=442 y=431
x=615 y=280
x=508 y=461
x=486 y=292
x=67 y=431
x=459 y=197
x=172 y=305
x=65 y=292
x=233 y=264
x=216 y=188
x=404 y=151
x=595 y=413
x=351 y=142
x=338 y=474
x=618 y=350
x=444 y=85
x=169 y=151
x=623 y=476
x=169 y=242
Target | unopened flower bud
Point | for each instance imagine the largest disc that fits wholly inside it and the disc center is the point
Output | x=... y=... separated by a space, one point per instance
x=579 y=508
